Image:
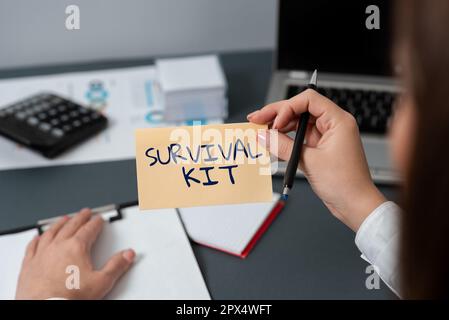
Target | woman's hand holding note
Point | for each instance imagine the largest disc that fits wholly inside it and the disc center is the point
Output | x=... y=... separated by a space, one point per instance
x=333 y=159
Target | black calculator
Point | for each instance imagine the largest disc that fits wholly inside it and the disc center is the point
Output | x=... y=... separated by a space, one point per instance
x=49 y=124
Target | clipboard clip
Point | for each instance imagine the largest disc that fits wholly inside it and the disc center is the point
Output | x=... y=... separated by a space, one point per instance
x=110 y=213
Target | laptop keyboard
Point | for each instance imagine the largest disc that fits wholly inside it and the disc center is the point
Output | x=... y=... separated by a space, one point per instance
x=371 y=109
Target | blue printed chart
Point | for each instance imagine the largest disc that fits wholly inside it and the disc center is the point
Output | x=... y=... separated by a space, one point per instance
x=128 y=97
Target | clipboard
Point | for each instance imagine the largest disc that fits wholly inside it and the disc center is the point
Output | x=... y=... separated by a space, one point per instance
x=165 y=266
x=190 y=227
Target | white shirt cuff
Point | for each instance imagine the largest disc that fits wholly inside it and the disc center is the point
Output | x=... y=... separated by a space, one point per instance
x=378 y=240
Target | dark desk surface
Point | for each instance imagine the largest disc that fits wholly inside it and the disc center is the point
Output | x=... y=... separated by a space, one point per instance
x=305 y=254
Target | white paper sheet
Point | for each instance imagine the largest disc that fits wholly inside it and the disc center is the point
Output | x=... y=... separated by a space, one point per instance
x=126 y=96
x=12 y=251
x=165 y=266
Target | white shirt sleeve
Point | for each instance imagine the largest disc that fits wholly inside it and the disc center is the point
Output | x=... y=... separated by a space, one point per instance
x=378 y=240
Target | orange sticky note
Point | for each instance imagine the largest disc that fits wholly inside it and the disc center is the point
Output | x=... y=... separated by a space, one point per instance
x=202 y=165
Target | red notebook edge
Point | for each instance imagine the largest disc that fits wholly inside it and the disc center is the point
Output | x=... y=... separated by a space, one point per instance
x=275 y=211
x=263 y=228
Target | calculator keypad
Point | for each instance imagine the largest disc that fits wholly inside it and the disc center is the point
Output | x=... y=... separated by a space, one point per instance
x=49 y=120
x=51 y=114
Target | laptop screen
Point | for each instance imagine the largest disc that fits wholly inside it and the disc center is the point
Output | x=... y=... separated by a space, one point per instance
x=332 y=36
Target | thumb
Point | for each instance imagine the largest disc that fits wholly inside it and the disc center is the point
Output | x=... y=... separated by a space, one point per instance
x=116 y=266
x=279 y=144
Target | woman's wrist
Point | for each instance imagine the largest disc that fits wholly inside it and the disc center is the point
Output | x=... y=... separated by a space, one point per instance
x=362 y=206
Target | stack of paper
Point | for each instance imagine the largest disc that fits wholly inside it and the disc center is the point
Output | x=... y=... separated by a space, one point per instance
x=192 y=88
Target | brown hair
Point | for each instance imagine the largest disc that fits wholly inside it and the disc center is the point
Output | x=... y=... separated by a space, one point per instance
x=422 y=32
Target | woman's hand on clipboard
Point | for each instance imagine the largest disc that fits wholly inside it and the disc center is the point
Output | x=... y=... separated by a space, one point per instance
x=58 y=263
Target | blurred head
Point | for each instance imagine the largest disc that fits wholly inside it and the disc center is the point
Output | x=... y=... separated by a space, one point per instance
x=420 y=145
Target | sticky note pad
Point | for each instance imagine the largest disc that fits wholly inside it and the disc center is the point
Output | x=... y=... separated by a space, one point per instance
x=202 y=165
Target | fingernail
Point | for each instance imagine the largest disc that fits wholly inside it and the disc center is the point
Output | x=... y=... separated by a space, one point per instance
x=129 y=255
x=251 y=114
x=262 y=139
x=275 y=124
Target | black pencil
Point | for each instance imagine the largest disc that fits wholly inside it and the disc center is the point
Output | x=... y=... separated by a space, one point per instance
x=292 y=166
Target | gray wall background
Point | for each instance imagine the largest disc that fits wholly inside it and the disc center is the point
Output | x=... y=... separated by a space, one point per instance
x=32 y=32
